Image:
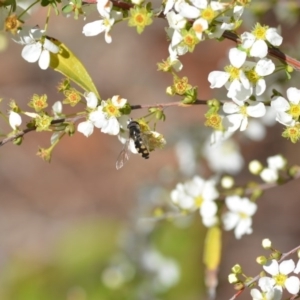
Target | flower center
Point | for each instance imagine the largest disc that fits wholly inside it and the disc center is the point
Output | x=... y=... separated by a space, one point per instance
x=294 y=111
x=252 y=76
x=233 y=72
x=280 y=279
x=208 y=14
x=198 y=201
x=139 y=18
x=260 y=32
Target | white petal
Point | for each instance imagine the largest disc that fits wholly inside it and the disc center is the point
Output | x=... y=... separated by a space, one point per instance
x=235 y=121
x=44 y=60
x=57 y=107
x=286 y=267
x=257 y=110
x=32 y=52
x=244 y=124
x=260 y=87
x=93 y=28
x=273 y=37
x=15 y=120
x=292 y=285
x=111 y=127
x=293 y=95
x=230 y=107
x=259 y=49
x=217 y=79
x=98 y=118
x=230 y=220
x=188 y=11
x=264 y=67
x=86 y=128
x=280 y=104
x=256 y=294
x=91 y=100
x=297 y=269
x=208 y=209
x=271 y=267
x=237 y=57
x=50 y=46
x=247 y=40
x=243 y=227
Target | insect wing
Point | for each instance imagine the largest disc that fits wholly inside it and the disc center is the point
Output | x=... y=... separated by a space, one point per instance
x=123 y=156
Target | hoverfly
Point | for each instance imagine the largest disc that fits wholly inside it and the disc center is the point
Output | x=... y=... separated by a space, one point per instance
x=140 y=143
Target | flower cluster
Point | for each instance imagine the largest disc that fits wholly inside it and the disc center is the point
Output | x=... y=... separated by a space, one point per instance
x=200 y=194
x=104 y=116
x=272 y=287
x=189 y=21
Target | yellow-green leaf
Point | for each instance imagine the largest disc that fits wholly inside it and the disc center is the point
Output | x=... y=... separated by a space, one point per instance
x=212 y=248
x=69 y=65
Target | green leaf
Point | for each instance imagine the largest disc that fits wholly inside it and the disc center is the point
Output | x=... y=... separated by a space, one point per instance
x=70 y=66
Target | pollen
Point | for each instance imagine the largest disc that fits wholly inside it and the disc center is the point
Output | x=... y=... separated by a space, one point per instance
x=260 y=31
x=233 y=72
x=139 y=18
x=208 y=14
x=189 y=40
x=214 y=121
x=252 y=76
x=243 y=110
x=294 y=111
x=243 y=215
x=280 y=279
x=198 y=201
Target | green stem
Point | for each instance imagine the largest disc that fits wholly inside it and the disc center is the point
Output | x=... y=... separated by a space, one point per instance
x=48 y=17
x=31 y=5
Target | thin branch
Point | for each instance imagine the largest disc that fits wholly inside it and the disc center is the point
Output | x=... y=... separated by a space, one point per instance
x=27 y=130
x=177 y=103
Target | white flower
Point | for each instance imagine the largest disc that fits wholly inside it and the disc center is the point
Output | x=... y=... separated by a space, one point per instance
x=15 y=120
x=287 y=110
x=240 y=113
x=268 y=291
x=239 y=216
x=104 y=25
x=256 y=41
x=234 y=78
x=104 y=116
x=36 y=48
x=257 y=72
x=280 y=277
x=224 y=156
x=87 y=127
x=198 y=193
x=165 y=270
